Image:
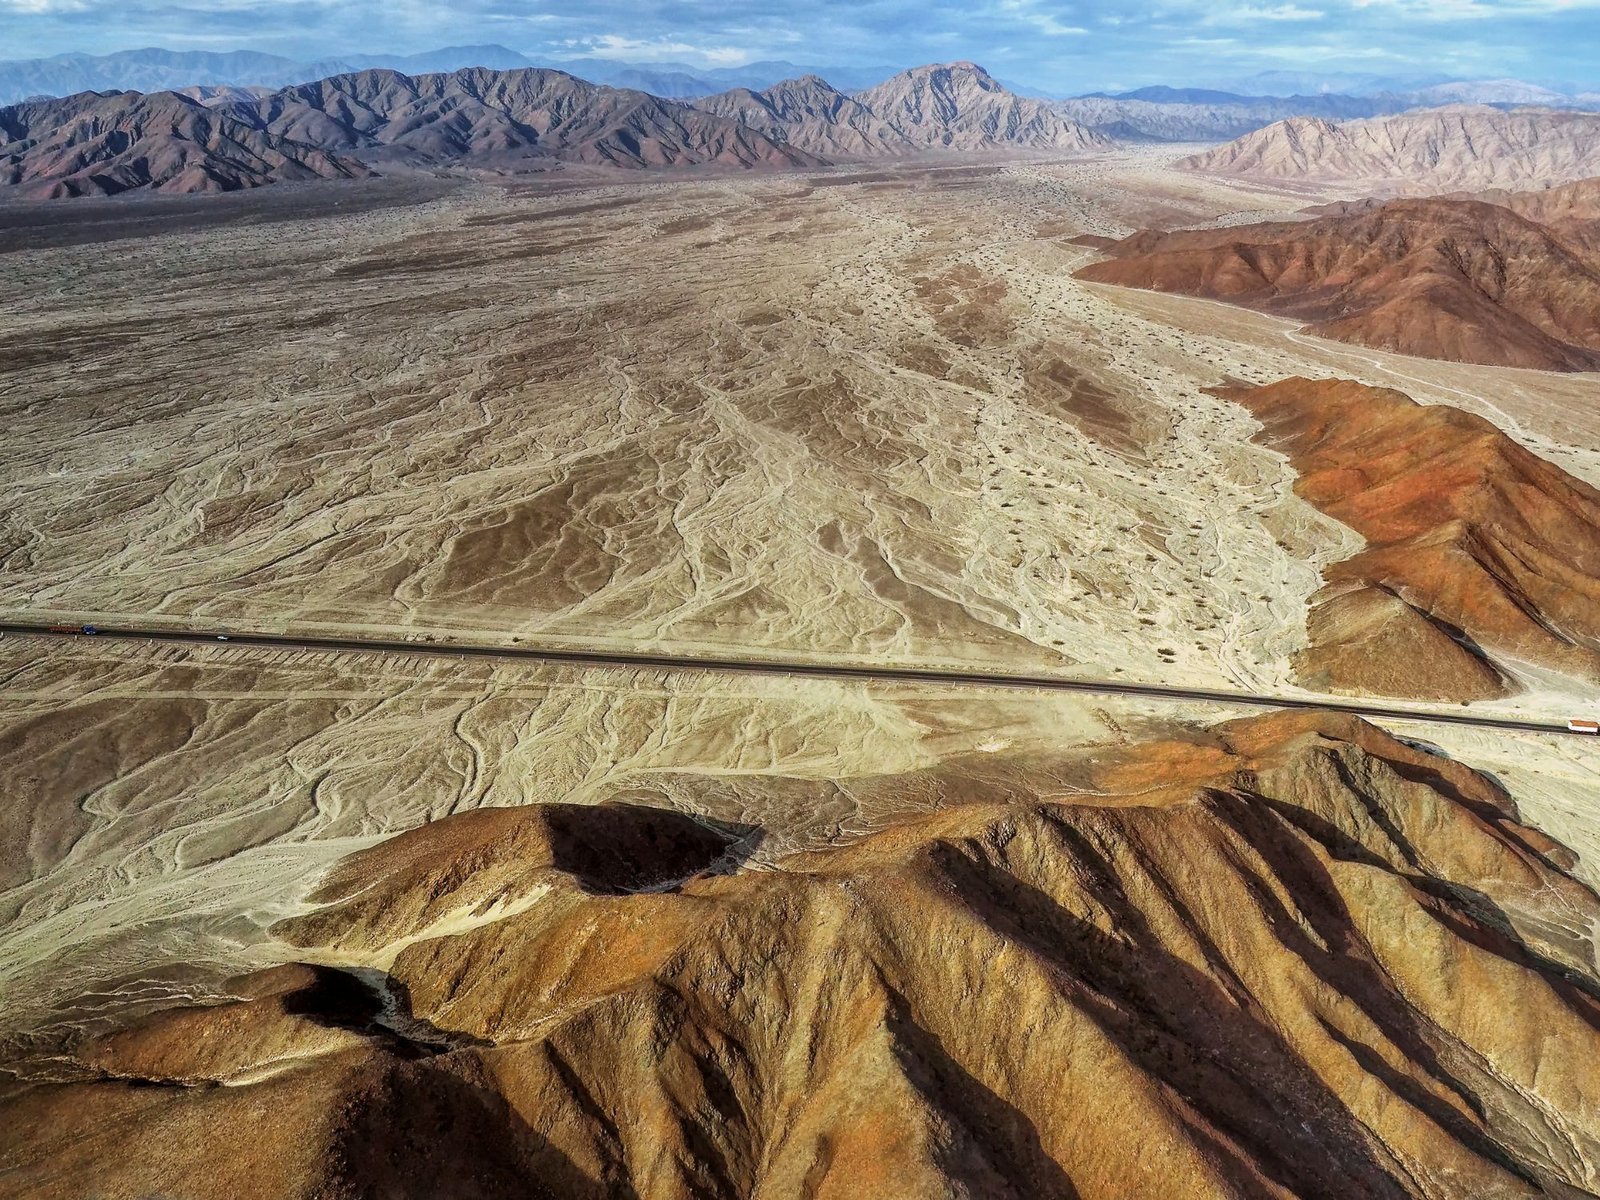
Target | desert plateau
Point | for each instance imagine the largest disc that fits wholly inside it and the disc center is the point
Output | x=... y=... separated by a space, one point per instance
x=901 y=639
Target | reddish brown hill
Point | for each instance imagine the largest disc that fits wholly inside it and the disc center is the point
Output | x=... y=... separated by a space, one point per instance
x=1295 y=958
x=103 y=144
x=1468 y=534
x=1453 y=279
x=1571 y=212
x=486 y=862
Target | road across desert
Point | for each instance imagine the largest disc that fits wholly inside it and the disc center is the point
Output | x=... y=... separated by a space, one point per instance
x=789 y=666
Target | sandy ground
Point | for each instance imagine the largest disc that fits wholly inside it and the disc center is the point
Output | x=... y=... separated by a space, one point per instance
x=863 y=416
x=853 y=415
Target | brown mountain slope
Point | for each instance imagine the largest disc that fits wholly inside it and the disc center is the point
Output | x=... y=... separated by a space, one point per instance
x=103 y=144
x=1431 y=150
x=959 y=106
x=1293 y=958
x=1453 y=279
x=478 y=112
x=1471 y=533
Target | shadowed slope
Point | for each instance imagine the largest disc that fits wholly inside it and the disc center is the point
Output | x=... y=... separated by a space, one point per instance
x=1465 y=528
x=1292 y=958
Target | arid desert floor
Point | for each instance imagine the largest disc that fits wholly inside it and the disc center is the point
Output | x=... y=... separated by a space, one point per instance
x=840 y=416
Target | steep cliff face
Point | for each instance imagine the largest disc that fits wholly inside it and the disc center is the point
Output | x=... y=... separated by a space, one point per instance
x=1478 y=550
x=1290 y=957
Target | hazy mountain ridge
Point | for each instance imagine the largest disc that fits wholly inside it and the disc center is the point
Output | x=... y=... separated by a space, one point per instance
x=486 y=117
x=1196 y=119
x=154 y=69
x=1434 y=150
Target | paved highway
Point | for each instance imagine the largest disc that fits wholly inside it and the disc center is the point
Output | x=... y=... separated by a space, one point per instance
x=775 y=666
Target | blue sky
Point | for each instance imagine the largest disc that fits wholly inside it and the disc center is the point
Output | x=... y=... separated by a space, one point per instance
x=1061 y=45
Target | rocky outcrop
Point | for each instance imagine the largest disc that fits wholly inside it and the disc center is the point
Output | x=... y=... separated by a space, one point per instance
x=1292 y=957
x=1487 y=545
x=1454 y=279
x=1428 y=150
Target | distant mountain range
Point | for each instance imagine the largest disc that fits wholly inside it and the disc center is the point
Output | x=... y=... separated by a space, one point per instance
x=153 y=70
x=217 y=138
x=1280 y=93
x=1161 y=114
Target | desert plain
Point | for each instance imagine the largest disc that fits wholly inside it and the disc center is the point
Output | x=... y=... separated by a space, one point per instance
x=853 y=416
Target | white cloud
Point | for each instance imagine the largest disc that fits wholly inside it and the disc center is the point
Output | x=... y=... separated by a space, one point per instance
x=1039 y=18
x=611 y=45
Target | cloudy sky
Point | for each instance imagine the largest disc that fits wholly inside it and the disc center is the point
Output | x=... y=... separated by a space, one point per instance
x=1060 y=45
